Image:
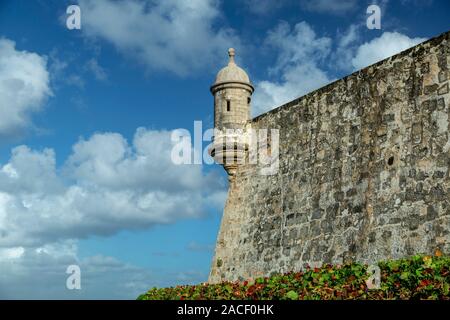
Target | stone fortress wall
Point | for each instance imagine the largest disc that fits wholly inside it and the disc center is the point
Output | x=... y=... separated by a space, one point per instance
x=363 y=173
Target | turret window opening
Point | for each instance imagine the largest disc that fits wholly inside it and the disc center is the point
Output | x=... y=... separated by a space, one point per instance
x=228 y=105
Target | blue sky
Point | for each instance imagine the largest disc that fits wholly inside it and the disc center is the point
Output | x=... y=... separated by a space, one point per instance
x=86 y=117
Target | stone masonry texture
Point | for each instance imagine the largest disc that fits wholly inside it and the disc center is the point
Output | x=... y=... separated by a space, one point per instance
x=363 y=173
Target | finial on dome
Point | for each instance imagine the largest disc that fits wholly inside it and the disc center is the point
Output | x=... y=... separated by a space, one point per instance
x=231 y=54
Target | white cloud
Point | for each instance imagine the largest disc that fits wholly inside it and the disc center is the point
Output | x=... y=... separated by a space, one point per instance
x=337 y=7
x=388 y=44
x=300 y=53
x=349 y=37
x=11 y=253
x=347 y=43
x=24 y=86
x=306 y=62
x=30 y=172
x=169 y=35
x=40 y=273
x=105 y=186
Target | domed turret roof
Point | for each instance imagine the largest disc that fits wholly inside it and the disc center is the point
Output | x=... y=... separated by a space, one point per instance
x=232 y=73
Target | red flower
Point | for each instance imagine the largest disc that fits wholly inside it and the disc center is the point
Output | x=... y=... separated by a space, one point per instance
x=425 y=282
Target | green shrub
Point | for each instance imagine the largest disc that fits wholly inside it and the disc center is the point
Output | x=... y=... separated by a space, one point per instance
x=418 y=277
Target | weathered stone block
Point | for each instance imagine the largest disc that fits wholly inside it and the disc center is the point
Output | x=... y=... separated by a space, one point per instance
x=443 y=89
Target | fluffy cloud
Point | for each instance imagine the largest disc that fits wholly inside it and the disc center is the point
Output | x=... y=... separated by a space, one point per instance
x=388 y=44
x=40 y=273
x=346 y=45
x=306 y=62
x=24 y=86
x=169 y=35
x=300 y=53
x=106 y=185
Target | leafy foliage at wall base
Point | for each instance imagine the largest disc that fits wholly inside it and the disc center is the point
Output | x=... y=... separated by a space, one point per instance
x=418 y=277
